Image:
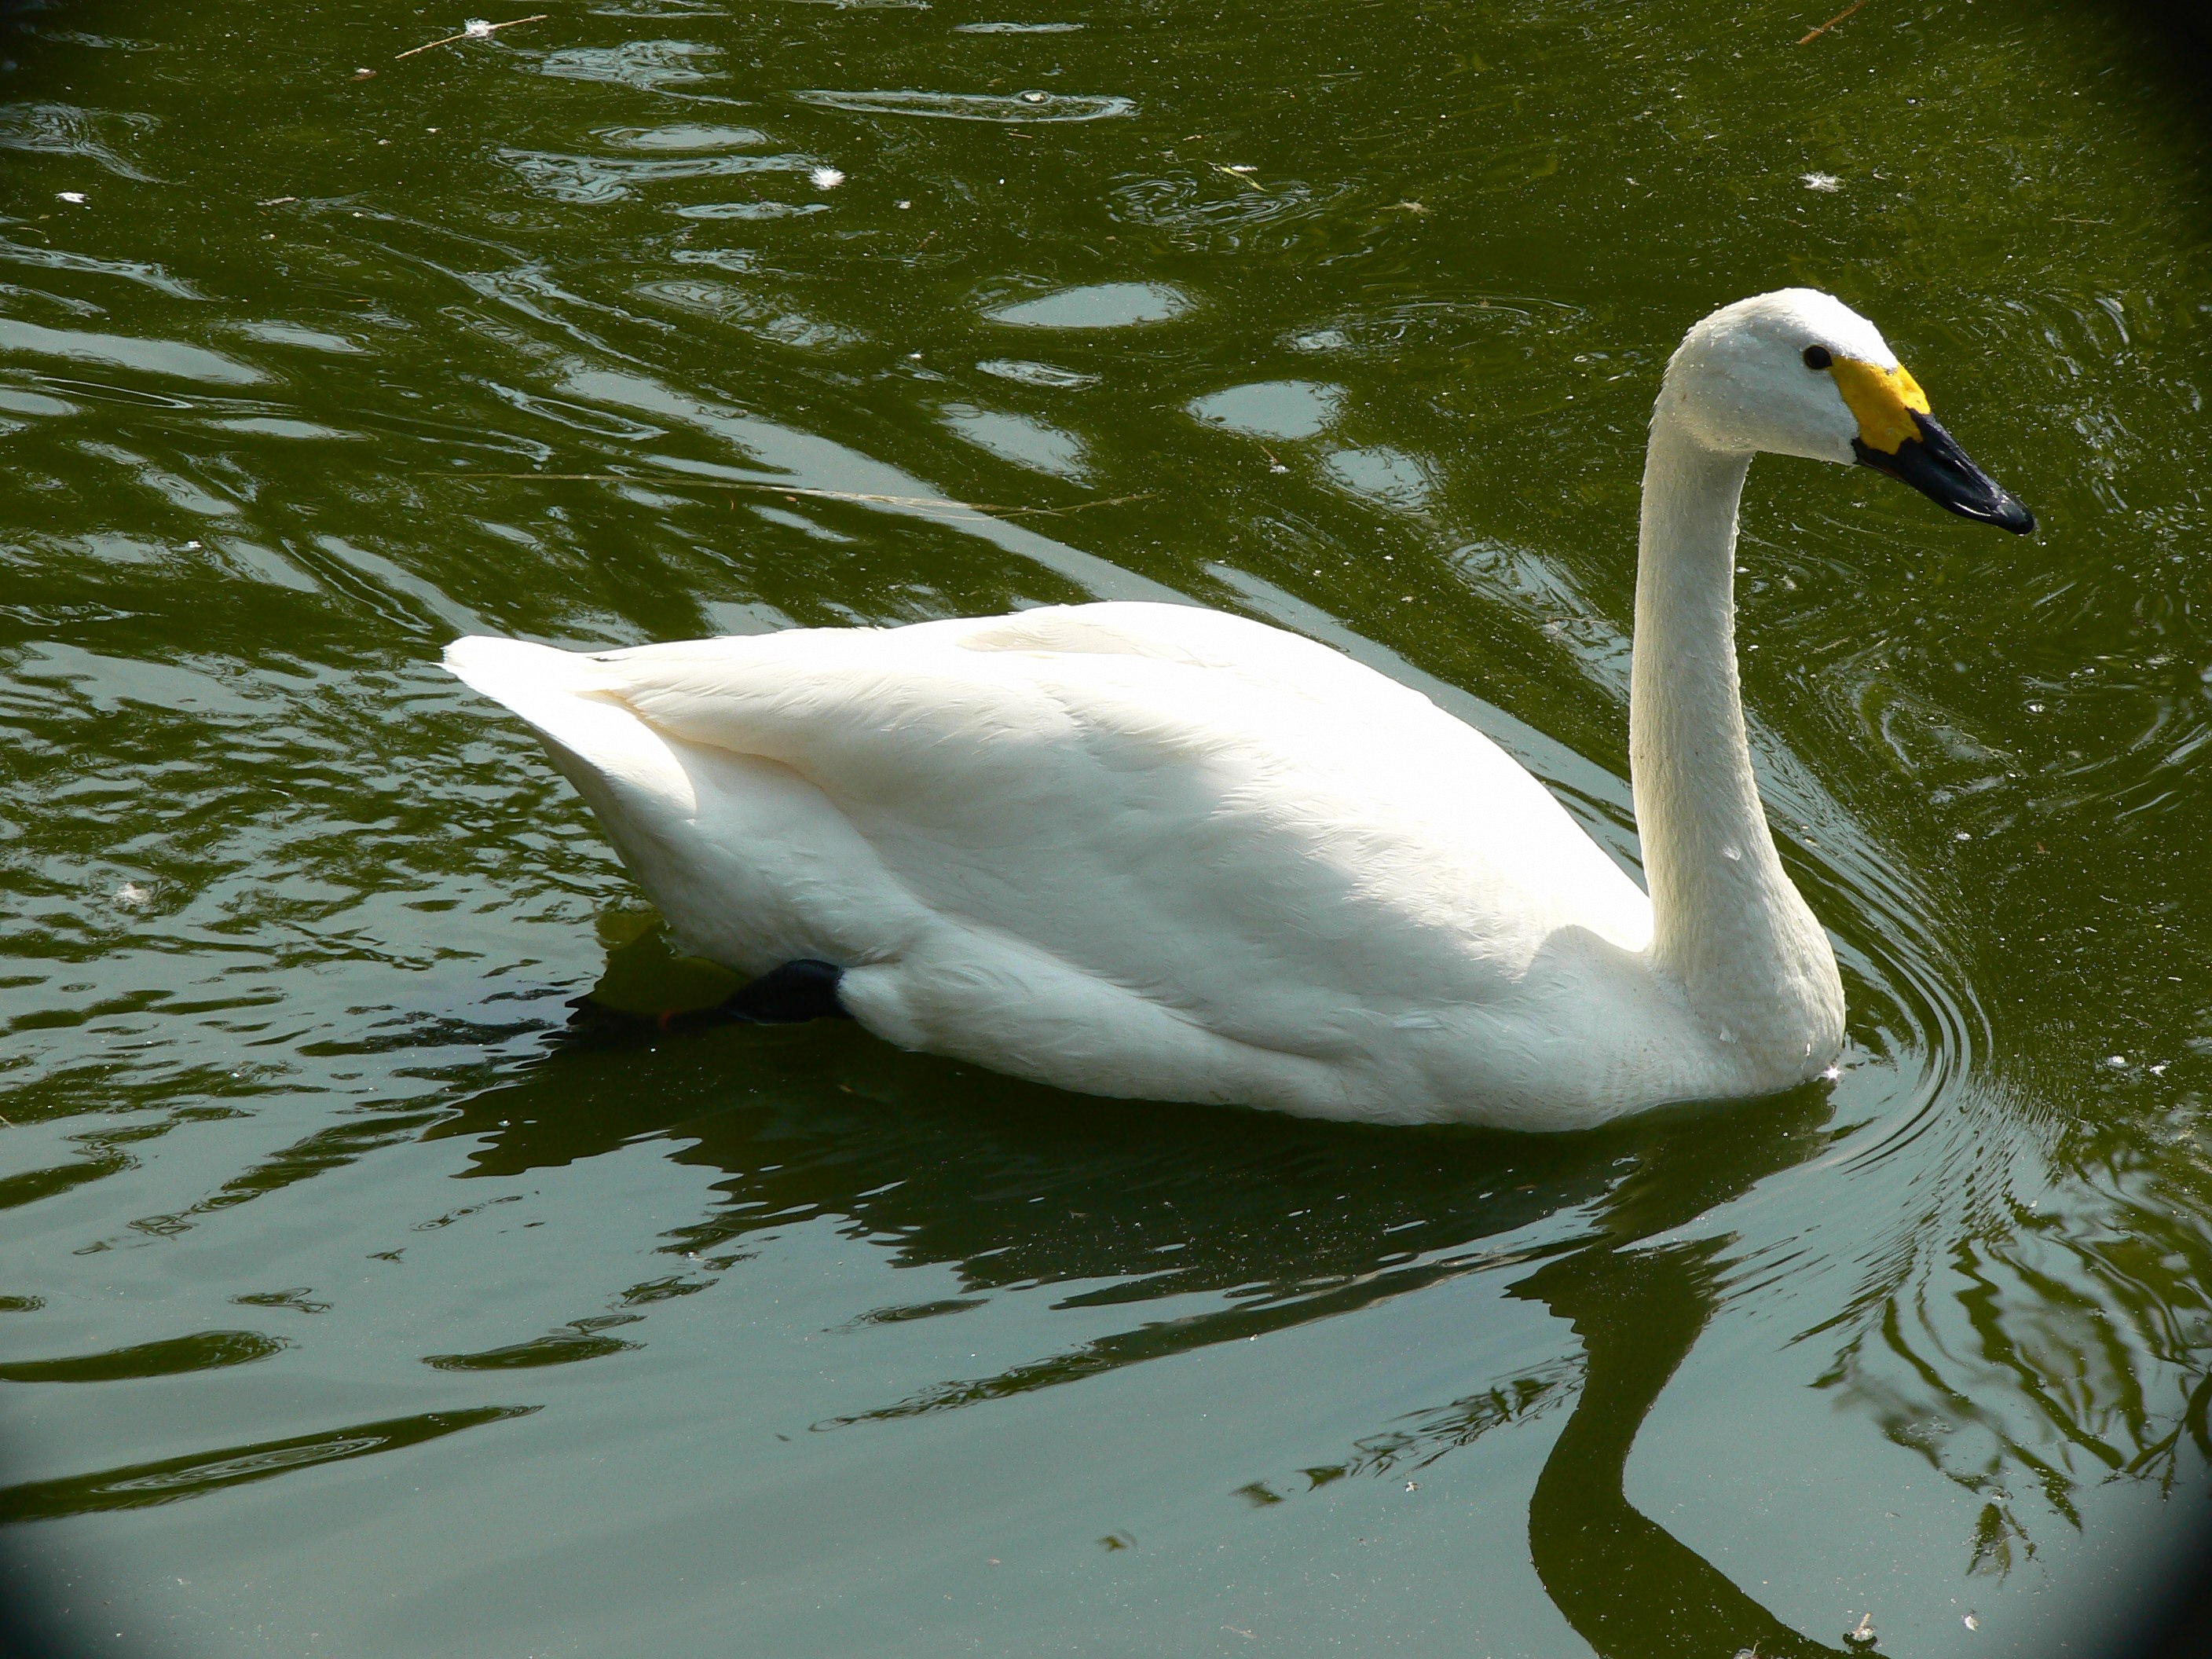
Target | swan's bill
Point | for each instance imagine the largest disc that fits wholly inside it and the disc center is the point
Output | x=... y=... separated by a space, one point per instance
x=1932 y=463
x=1883 y=400
x=1898 y=436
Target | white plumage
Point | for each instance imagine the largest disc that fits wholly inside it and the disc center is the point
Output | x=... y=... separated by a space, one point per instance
x=1154 y=850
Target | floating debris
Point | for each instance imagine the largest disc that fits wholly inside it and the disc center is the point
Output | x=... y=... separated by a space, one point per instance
x=1815 y=34
x=1862 y=1635
x=1971 y=1622
x=476 y=28
x=131 y=897
x=1243 y=175
x=825 y=178
x=74 y=196
x=1822 y=181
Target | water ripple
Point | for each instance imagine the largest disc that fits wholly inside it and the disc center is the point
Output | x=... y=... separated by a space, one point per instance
x=645 y=66
x=1010 y=108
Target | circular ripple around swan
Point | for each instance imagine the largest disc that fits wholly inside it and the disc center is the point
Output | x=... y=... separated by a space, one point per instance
x=1915 y=1011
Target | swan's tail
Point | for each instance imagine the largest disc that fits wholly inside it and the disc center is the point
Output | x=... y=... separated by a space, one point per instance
x=515 y=672
x=569 y=699
x=752 y=865
x=556 y=692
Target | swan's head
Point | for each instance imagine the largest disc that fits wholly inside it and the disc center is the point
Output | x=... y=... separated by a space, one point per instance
x=1797 y=372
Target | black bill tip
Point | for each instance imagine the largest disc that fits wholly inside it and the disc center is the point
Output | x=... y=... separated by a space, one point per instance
x=1934 y=465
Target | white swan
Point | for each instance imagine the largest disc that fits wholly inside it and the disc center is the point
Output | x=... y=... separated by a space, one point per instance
x=1158 y=851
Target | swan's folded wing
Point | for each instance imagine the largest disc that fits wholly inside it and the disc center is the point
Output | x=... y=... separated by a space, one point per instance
x=1233 y=820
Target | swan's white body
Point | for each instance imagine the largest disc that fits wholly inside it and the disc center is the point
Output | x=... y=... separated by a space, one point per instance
x=1158 y=851
x=1135 y=849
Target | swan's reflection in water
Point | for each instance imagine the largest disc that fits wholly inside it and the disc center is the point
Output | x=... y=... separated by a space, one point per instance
x=1628 y=1586
x=1261 y=1222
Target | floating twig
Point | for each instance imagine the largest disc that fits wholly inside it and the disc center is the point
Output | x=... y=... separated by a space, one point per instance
x=1815 y=34
x=477 y=29
x=867 y=499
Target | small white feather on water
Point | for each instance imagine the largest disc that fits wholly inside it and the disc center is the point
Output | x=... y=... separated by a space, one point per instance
x=826 y=178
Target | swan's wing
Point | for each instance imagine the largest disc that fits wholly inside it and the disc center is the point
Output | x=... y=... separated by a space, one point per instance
x=1228 y=818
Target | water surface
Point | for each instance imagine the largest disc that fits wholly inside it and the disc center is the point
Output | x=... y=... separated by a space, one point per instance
x=352 y=1301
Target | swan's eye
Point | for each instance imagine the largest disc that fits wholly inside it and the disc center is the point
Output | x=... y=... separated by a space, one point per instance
x=1817 y=357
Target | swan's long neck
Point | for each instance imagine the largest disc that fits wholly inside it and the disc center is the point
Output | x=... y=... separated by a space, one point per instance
x=1728 y=926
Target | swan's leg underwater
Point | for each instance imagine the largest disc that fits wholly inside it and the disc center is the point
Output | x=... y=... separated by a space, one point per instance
x=790 y=995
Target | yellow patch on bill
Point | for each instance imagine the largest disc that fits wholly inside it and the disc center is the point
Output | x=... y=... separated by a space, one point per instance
x=1884 y=399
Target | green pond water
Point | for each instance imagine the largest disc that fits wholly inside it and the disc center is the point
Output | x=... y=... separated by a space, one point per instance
x=351 y=1304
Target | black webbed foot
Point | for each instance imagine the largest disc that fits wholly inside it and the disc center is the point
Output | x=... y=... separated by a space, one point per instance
x=789 y=995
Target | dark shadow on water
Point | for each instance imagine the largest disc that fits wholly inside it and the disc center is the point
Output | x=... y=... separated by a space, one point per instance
x=1274 y=1221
